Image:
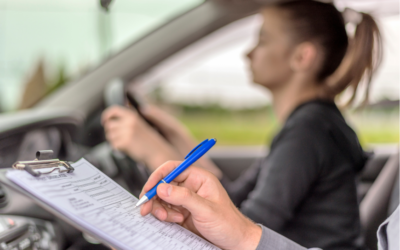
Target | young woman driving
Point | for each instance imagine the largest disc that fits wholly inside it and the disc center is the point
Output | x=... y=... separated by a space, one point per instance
x=305 y=188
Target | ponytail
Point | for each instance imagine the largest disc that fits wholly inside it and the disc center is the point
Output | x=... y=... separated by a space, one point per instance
x=363 y=56
x=347 y=62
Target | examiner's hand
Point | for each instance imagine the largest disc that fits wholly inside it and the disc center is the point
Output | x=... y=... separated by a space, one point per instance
x=126 y=131
x=197 y=201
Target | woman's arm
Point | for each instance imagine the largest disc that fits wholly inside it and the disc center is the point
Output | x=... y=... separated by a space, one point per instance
x=178 y=135
x=128 y=132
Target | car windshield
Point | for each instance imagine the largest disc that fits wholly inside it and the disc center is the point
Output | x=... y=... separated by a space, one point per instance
x=46 y=43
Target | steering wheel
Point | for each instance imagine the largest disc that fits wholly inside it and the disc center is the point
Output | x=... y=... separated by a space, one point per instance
x=123 y=169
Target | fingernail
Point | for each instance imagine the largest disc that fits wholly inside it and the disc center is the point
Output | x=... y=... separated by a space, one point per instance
x=165 y=189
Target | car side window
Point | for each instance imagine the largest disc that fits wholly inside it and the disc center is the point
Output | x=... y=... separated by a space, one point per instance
x=210 y=83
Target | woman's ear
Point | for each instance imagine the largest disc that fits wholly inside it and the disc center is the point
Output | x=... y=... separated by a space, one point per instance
x=304 y=57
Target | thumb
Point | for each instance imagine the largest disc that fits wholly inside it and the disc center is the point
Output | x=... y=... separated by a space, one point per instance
x=182 y=196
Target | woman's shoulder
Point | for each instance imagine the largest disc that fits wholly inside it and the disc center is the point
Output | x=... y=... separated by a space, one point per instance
x=320 y=125
x=316 y=112
x=313 y=120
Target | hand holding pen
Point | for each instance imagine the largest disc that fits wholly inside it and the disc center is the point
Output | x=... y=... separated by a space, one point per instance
x=191 y=158
x=198 y=202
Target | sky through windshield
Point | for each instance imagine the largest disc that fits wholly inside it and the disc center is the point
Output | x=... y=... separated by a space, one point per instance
x=59 y=40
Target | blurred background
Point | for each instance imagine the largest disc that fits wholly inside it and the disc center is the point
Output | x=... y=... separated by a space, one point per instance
x=63 y=62
x=46 y=44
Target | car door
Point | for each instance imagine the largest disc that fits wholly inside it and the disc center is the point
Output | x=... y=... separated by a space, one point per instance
x=67 y=119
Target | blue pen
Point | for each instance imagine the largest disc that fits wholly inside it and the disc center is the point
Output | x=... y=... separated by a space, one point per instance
x=191 y=158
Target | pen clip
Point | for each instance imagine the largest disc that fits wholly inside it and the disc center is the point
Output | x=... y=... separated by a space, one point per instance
x=197 y=147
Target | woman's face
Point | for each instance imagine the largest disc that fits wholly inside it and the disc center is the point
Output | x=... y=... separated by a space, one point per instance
x=270 y=59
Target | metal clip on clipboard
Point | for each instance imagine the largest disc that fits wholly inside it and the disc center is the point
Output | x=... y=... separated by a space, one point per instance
x=43 y=161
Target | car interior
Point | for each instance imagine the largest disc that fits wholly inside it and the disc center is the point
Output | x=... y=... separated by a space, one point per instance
x=72 y=129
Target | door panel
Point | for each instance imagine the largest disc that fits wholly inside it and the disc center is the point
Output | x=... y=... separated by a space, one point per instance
x=56 y=125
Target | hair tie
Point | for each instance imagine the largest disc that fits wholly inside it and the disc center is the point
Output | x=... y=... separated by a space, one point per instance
x=352 y=16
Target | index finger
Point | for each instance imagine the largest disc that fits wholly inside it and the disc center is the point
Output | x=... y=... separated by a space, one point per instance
x=115 y=111
x=162 y=172
x=110 y=112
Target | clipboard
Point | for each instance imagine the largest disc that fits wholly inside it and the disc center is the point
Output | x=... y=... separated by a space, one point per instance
x=100 y=219
x=43 y=161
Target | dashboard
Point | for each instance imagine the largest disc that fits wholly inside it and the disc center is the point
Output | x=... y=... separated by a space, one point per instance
x=23 y=233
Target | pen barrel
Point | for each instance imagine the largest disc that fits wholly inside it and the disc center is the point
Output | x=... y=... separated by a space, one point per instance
x=182 y=167
x=150 y=194
x=177 y=171
x=171 y=176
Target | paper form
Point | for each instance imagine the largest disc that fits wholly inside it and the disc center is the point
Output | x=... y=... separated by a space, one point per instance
x=105 y=209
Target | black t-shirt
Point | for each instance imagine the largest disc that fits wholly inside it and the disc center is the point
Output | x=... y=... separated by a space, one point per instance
x=305 y=188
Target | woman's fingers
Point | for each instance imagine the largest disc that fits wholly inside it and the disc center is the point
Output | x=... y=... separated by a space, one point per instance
x=113 y=111
x=112 y=125
x=116 y=112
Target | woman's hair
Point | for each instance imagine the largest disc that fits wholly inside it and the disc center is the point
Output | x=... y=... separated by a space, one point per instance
x=346 y=61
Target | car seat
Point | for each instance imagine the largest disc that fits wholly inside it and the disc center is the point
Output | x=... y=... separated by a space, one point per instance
x=370 y=172
x=375 y=205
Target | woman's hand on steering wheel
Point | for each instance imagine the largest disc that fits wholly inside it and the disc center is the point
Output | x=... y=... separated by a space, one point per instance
x=126 y=131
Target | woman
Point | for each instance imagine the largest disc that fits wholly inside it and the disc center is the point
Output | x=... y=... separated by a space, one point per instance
x=305 y=188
